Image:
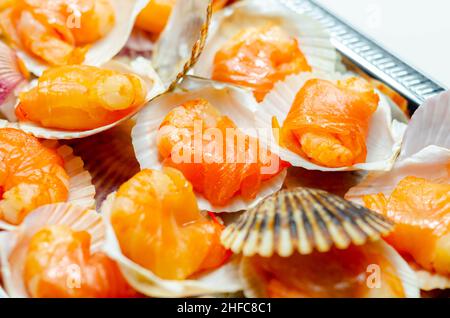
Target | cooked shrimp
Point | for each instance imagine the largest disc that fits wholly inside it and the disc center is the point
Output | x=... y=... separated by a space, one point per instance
x=31 y=175
x=258 y=58
x=157 y=212
x=81 y=97
x=328 y=123
x=421 y=211
x=59 y=264
x=56 y=30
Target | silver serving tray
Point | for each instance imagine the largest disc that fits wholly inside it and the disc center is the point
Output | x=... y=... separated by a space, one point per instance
x=369 y=56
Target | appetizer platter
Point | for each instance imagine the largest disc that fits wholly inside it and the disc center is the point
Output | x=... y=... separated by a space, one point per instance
x=196 y=148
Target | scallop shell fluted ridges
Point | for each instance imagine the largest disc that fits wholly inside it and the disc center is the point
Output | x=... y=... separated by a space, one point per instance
x=303 y=220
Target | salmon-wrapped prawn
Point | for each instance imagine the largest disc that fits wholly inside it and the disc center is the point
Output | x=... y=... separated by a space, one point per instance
x=219 y=167
x=59 y=264
x=57 y=31
x=421 y=210
x=157 y=212
x=31 y=175
x=258 y=57
x=328 y=123
x=415 y=194
x=81 y=97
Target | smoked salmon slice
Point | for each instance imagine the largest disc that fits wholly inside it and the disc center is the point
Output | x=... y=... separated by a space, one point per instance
x=159 y=226
x=214 y=155
x=59 y=264
x=259 y=57
x=328 y=123
x=421 y=211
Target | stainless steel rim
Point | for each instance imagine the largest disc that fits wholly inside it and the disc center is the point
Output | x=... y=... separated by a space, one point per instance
x=369 y=56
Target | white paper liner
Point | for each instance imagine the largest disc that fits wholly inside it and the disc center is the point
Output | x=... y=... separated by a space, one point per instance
x=14 y=244
x=106 y=48
x=430 y=125
x=383 y=140
x=140 y=66
x=233 y=102
x=81 y=189
x=314 y=40
x=222 y=280
x=254 y=285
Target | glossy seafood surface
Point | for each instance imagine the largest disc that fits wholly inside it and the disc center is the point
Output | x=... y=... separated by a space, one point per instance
x=259 y=57
x=31 y=175
x=156 y=211
x=79 y=273
x=213 y=149
x=81 y=97
x=328 y=123
x=421 y=210
x=56 y=31
x=223 y=161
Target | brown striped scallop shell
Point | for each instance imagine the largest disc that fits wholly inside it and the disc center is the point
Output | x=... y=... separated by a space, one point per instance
x=305 y=220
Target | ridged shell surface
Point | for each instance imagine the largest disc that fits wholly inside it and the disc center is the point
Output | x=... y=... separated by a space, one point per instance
x=303 y=220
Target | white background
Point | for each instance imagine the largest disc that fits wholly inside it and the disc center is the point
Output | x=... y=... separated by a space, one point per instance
x=417 y=31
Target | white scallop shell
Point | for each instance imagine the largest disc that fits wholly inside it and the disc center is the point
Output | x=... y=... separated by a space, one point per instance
x=428 y=280
x=425 y=154
x=430 y=125
x=106 y=48
x=81 y=189
x=14 y=244
x=254 y=285
x=383 y=140
x=182 y=41
x=236 y=103
x=222 y=280
x=429 y=163
x=10 y=74
x=111 y=162
x=314 y=40
x=425 y=151
x=140 y=66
